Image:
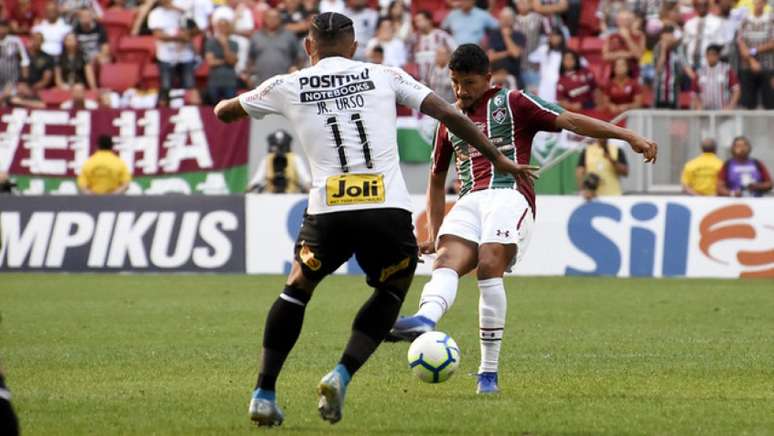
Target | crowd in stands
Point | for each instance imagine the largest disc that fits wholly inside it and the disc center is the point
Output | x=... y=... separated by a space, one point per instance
x=606 y=56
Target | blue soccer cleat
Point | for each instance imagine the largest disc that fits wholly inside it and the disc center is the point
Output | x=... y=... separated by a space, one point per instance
x=332 y=390
x=487 y=383
x=409 y=328
x=264 y=410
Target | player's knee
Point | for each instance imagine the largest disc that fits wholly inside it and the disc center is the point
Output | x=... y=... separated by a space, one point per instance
x=490 y=267
x=396 y=289
x=298 y=281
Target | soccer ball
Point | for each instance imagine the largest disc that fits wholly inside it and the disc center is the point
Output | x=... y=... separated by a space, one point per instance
x=433 y=357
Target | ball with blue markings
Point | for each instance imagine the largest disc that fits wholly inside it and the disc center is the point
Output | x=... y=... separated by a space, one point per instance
x=433 y=357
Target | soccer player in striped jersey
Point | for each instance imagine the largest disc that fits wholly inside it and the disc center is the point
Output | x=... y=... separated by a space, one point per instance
x=489 y=226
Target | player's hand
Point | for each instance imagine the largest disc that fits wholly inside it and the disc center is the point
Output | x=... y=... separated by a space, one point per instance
x=505 y=165
x=646 y=147
x=427 y=247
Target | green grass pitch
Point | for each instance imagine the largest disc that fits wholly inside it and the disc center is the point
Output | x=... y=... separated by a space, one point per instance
x=177 y=354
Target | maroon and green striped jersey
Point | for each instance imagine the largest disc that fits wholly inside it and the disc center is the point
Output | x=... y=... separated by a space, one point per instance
x=510 y=119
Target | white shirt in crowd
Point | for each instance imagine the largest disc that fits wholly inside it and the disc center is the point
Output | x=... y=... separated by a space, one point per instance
x=713 y=34
x=197 y=10
x=364 y=22
x=241 y=19
x=331 y=106
x=395 y=54
x=53 y=35
x=332 y=6
x=549 y=61
x=169 y=21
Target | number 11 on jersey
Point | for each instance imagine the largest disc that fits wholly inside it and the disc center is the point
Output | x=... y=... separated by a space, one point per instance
x=357 y=120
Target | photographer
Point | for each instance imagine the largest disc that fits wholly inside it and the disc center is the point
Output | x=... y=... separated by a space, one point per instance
x=600 y=166
x=742 y=176
x=281 y=171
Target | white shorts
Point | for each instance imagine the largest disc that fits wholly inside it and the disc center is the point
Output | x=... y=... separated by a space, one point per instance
x=500 y=216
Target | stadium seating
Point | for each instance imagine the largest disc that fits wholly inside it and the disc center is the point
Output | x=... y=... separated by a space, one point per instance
x=54 y=97
x=117 y=25
x=119 y=76
x=136 y=49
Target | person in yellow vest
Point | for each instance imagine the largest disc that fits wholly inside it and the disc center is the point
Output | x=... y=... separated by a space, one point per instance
x=281 y=170
x=104 y=172
x=700 y=174
x=600 y=167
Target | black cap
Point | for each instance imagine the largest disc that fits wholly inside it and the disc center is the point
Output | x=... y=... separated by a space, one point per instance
x=279 y=137
x=332 y=23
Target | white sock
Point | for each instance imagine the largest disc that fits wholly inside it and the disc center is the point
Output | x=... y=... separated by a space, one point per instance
x=438 y=294
x=492 y=306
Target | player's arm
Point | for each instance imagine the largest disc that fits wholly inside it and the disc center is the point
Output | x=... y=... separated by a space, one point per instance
x=436 y=209
x=230 y=110
x=460 y=125
x=587 y=126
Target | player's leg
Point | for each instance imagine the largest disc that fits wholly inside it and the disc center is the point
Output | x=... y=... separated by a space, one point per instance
x=505 y=236
x=456 y=255
x=318 y=252
x=388 y=255
x=8 y=422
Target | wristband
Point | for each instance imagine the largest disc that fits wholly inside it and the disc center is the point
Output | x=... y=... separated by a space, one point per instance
x=753 y=51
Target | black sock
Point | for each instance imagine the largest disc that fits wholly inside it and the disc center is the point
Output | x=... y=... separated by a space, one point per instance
x=283 y=326
x=8 y=422
x=371 y=325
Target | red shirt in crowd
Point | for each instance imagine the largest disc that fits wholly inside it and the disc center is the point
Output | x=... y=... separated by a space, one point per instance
x=623 y=93
x=616 y=42
x=577 y=87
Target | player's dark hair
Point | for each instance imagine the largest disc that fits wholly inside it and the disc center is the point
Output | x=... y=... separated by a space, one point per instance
x=105 y=142
x=717 y=48
x=469 y=58
x=331 y=29
x=742 y=138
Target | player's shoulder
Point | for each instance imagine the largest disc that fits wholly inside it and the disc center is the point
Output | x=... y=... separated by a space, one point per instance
x=526 y=100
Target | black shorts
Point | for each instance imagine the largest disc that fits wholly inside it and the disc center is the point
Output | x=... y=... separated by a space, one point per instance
x=382 y=241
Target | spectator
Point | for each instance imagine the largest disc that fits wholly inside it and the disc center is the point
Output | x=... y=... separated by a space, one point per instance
x=700 y=32
x=22 y=17
x=273 y=50
x=92 y=37
x=438 y=79
x=104 y=173
x=716 y=87
x=600 y=168
x=467 y=23
x=122 y=5
x=54 y=29
x=78 y=99
x=295 y=17
x=607 y=13
x=364 y=20
x=72 y=67
x=281 y=171
x=174 y=50
x=671 y=68
x=196 y=14
x=501 y=78
x=376 y=55
x=551 y=10
x=337 y=6
x=742 y=176
x=507 y=45
x=700 y=174
x=400 y=18
x=14 y=62
x=623 y=93
x=220 y=53
x=576 y=90
x=41 y=69
x=425 y=43
x=70 y=8
x=530 y=24
x=627 y=43
x=549 y=57
x=238 y=14
x=394 y=49
x=756 y=48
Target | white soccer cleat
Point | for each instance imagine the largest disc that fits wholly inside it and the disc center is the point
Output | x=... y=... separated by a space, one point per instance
x=265 y=412
x=332 y=390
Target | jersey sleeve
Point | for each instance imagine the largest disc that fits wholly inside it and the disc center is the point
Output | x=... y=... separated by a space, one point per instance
x=765 y=177
x=266 y=99
x=534 y=111
x=408 y=91
x=442 y=150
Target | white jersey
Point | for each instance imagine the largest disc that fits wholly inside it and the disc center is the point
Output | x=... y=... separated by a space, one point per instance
x=344 y=112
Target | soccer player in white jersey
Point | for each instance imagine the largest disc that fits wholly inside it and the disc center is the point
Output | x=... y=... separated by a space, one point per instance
x=489 y=226
x=345 y=115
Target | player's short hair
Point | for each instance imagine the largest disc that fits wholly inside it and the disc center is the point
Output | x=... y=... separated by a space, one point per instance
x=743 y=139
x=105 y=142
x=717 y=48
x=425 y=13
x=469 y=58
x=332 y=28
